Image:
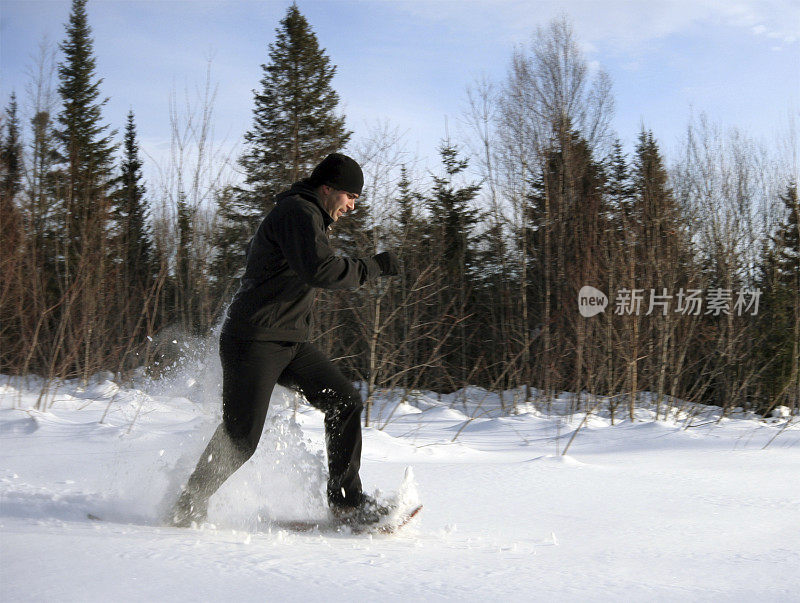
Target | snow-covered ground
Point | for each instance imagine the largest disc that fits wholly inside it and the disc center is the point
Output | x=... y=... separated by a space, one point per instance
x=644 y=510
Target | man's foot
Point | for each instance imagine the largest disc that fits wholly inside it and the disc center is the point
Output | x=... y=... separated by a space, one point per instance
x=189 y=510
x=367 y=511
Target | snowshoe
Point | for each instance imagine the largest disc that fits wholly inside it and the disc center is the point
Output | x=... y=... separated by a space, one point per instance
x=368 y=511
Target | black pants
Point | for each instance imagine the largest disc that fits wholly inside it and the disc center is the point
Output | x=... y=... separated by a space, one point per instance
x=250 y=370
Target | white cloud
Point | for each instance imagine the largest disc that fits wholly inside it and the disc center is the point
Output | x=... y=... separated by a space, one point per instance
x=776 y=19
x=625 y=24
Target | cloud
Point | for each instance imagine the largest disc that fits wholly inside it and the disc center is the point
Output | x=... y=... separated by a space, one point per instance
x=775 y=19
x=623 y=24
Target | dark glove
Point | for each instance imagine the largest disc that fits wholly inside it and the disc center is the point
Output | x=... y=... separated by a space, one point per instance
x=388 y=262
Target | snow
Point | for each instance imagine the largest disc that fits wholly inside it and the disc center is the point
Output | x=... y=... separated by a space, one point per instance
x=692 y=507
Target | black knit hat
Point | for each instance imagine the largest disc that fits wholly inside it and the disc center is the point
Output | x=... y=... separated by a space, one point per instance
x=340 y=172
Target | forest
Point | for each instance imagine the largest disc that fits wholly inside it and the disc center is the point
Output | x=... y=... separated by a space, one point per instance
x=698 y=256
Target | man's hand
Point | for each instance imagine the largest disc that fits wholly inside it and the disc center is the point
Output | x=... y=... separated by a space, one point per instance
x=388 y=262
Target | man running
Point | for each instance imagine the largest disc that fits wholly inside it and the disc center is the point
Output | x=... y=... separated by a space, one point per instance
x=264 y=341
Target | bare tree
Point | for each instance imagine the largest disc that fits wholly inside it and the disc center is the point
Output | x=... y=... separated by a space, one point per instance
x=548 y=100
x=198 y=168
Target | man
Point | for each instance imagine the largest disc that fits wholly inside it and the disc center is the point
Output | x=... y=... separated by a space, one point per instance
x=264 y=341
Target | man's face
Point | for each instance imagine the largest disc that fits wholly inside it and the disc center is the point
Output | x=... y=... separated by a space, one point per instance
x=337 y=203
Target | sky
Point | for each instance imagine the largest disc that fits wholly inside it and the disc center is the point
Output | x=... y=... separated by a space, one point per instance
x=408 y=63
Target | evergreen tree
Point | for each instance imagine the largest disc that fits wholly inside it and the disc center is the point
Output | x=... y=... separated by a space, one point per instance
x=11 y=223
x=452 y=220
x=660 y=260
x=407 y=237
x=132 y=213
x=184 y=298
x=619 y=192
x=82 y=182
x=566 y=209
x=86 y=151
x=492 y=292
x=14 y=263
x=779 y=308
x=408 y=216
x=566 y=204
x=655 y=211
x=295 y=125
x=11 y=154
x=619 y=189
x=653 y=218
x=788 y=261
x=409 y=226
x=451 y=239
x=230 y=244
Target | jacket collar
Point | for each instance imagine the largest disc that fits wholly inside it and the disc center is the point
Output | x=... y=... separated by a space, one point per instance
x=306 y=191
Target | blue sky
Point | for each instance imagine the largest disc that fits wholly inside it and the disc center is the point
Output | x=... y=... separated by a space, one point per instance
x=409 y=62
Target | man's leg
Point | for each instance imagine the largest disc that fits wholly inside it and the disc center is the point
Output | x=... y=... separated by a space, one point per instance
x=250 y=370
x=326 y=388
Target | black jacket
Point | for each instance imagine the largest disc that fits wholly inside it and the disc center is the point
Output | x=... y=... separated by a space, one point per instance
x=288 y=257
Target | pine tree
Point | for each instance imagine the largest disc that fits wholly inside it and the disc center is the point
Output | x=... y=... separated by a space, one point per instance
x=408 y=228
x=184 y=296
x=451 y=239
x=14 y=262
x=86 y=150
x=659 y=255
x=452 y=220
x=11 y=154
x=407 y=237
x=655 y=211
x=789 y=235
x=408 y=201
x=492 y=296
x=295 y=125
x=566 y=210
x=619 y=189
x=83 y=189
x=779 y=310
x=11 y=219
x=653 y=217
x=230 y=244
x=619 y=241
x=132 y=213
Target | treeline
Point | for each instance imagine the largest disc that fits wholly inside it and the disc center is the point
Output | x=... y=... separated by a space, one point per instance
x=699 y=260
